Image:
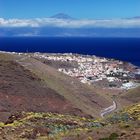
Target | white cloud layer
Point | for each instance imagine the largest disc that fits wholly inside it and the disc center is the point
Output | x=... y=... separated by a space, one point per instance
x=39 y=22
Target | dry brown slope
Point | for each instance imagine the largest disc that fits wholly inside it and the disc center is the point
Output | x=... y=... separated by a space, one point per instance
x=80 y=95
x=132 y=95
x=22 y=90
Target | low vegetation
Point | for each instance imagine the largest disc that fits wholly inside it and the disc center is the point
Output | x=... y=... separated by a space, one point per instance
x=53 y=126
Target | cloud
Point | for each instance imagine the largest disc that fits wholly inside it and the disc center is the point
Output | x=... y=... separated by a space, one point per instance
x=70 y=23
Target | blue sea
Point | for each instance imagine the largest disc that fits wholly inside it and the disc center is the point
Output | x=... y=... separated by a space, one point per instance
x=126 y=49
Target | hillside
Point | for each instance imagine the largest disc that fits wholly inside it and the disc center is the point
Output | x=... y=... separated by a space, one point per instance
x=132 y=95
x=21 y=90
x=39 y=102
x=123 y=125
x=106 y=77
x=38 y=87
x=81 y=95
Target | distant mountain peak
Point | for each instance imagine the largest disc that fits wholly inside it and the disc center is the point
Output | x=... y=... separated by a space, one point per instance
x=62 y=16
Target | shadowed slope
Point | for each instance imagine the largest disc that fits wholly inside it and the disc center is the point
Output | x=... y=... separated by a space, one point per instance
x=22 y=90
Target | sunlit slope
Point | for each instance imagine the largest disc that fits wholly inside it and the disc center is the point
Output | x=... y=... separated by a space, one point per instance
x=80 y=95
x=132 y=95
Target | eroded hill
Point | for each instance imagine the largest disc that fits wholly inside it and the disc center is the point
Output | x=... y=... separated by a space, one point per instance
x=28 y=84
x=21 y=90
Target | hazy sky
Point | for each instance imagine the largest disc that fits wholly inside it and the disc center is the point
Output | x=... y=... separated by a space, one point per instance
x=75 y=8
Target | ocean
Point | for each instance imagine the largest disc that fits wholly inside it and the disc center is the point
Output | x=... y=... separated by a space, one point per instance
x=125 y=49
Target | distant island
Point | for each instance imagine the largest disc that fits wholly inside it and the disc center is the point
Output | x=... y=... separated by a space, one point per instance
x=63 y=25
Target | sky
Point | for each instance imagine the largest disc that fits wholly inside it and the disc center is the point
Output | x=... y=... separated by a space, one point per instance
x=85 y=9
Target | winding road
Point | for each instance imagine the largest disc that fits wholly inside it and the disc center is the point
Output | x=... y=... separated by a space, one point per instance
x=109 y=109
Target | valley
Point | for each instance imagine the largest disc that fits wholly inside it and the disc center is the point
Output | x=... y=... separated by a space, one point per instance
x=47 y=89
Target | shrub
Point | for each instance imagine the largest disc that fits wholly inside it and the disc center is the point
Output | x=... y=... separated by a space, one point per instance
x=113 y=136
